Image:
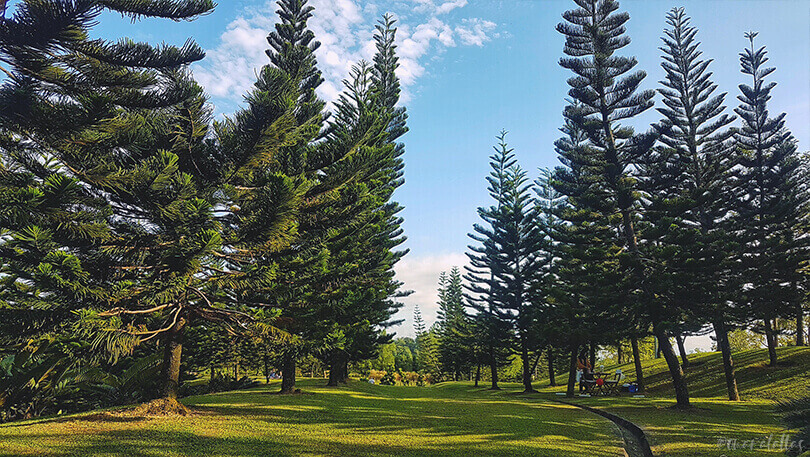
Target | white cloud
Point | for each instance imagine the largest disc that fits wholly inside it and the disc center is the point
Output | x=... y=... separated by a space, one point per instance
x=430 y=7
x=446 y=7
x=345 y=29
x=475 y=32
x=421 y=275
x=230 y=69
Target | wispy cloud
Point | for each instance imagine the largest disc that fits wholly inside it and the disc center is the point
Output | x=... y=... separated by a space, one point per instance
x=345 y=29
x=421 y=275
x=475 y=32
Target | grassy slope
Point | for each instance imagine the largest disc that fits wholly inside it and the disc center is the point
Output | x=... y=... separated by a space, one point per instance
x=755 y=380
x=445 y=420
x=698 y=432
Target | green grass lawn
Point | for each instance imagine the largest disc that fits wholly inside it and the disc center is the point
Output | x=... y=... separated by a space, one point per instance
x=450 y=419
x=700 y=431
x=714 y=420
x=755 y=380
x=445 y=420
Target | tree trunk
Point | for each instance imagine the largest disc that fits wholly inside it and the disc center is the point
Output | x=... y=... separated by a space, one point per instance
x=770 y=337
x=527 y=369
x=682 y=350
x=535 y=363
x=288 y=372
x=477 y=373
x=637 y=363
x=211 y=381
x=551 y=379
x=721 y=332
x=619 y=353
x=266 y=369
x=592 y=356
x=493 y=367
x=338 y=368
x=572 y=372
x=657 y=348
x=800 y=325
x=172 y=350
x=675 y=370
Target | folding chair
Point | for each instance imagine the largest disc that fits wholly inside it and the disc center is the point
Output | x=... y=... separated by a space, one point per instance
x=611 y=386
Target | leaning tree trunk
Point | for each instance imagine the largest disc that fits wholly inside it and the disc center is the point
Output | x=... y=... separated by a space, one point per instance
x=682 y=350
x=172 y=350
x=637 y=363
x=551 y=379
x=493 y=367
x=572 y=372
x=675 y=370
x=800 y=325
x=721 y=332
x=619 y=353
x=770 y=337
x=592 y=356
x=288 y=373
x=338 y=368
x=477 y=373
x=527 y=369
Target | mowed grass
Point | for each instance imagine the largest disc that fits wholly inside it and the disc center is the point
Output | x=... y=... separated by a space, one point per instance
x=715 y=426
x=755 y=379
x=452 y=419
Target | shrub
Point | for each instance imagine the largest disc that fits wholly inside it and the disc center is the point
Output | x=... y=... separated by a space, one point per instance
x=223 y=381
x=376 y=375
x=411 y=378
x=388 y=380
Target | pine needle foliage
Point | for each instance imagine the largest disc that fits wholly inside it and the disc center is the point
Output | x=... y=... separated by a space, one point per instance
x=767 y=198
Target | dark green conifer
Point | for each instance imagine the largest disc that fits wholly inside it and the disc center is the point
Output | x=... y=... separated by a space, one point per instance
x=767 y=205
x=608 y=94
x=687 y=184
x=481 y=281
x=453 y=326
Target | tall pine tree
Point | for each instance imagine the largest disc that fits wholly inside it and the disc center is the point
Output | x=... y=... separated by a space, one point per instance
x=481 y=280
x=282 y=130
x=134 y=137
x=767 y=204
x=688 y=187
x=453 y=326
x=585 y=270
x=594 y=32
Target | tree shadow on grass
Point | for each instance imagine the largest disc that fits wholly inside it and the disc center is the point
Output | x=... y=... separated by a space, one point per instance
x=418 y=412
x=151 y=443
x=355 y=421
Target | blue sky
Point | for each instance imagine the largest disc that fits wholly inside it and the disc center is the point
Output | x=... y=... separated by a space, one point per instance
x=474 y=67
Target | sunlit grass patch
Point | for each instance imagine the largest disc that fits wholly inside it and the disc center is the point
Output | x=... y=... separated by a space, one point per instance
x=454 y=420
